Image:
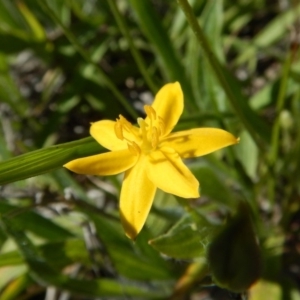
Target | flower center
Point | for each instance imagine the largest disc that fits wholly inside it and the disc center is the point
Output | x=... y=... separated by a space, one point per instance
x=146 y=138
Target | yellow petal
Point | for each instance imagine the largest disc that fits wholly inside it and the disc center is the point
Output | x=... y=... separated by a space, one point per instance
x=104 y=133
x=198 y=141
x=136 y=198
x=109 y=163
x=167 y=171
x=168 y=104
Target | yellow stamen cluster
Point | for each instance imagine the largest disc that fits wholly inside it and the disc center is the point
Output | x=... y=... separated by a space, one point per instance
x=148 y=138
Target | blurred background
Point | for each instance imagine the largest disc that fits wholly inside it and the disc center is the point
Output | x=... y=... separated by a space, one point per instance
x=65 y=64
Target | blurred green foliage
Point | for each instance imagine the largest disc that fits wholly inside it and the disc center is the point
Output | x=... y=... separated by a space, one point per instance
x=64 y=64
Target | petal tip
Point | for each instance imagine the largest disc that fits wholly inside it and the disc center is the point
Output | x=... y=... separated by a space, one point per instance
x=177 y=85
x=130 y=231
x=131 y=236
x=197 y=195
x=66 y=165
x=192 y=194
x=196 y=192
x=71 y=166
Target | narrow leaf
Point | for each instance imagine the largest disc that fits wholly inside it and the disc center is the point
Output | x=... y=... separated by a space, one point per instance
x=153 y=28
x=183 y=241
x=43 y=273
x=28 y=220
x=46 y=160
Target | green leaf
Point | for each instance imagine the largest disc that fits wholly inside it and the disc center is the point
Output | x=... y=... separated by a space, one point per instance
x=35 y=26
x=256 y=126
x=9 y=92
x=65 y=180
x=153 y=28
x=127 y=259
x=11 y=258
x=213 y=185
x=234 y=255
x=28 y=220
x=271 y=33
x=43 y=273
x=8 y=274
x=212 y=17
x=59 y=253
x=184 y=240
x=203 y=81
x=263 y=288
x=15 y=287
x=46 y=160
x=10 y=17
x=247 y=153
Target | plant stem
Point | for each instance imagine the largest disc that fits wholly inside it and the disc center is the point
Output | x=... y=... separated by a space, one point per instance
x=86 y=56
x=135 y=53
x=240 y=106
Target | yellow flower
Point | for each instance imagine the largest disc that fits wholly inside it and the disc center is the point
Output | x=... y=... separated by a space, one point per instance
x=150 y=155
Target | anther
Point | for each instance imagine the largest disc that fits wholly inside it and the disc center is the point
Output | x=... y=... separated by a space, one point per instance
x=119 y=130
x=141 y=123
x=154 y=138
x=150 y=111
x=161 y=125
x=134 y=148
x=127 y=125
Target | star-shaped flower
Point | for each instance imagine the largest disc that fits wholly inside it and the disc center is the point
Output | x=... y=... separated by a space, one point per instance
x=150 y=155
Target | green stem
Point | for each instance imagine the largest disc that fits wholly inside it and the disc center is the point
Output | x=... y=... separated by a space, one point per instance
x=279 y=107
x=220 y=72
x=273 y=155
x=167 y=57
x=88 y=59
x=135 y=53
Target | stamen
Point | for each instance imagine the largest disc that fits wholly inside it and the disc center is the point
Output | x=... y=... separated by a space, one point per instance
x=146 y=134
x=154 y=138
x=159 y=131
x=127 y=125
x=134 y=148
x=150 y=112
x=162 y=126
x=119 y=130
x=150 y=130
x=142 y=124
